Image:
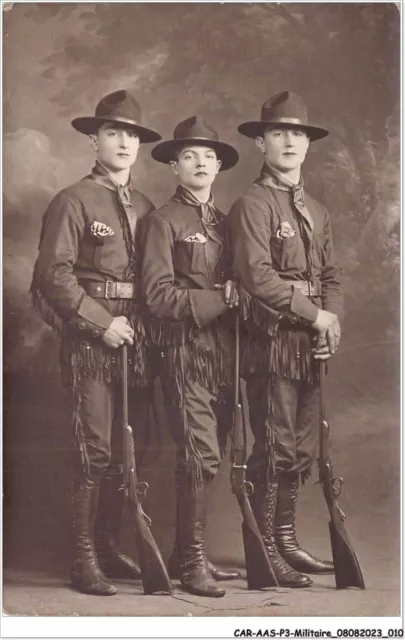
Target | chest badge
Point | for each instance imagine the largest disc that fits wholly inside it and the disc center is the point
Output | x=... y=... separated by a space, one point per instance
x=101 y=230
x=198 y=237
x=285 y=231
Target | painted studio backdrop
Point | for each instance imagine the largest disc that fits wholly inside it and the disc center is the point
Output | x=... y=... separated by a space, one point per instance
x=220 y=61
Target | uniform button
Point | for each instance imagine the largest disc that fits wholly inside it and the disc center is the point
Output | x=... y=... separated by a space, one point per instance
x=82 y=325
x=96 y=333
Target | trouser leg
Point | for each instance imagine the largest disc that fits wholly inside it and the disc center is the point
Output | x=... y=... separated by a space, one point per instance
x=93 y=428
x=111 y=505
x=204 y=418
x=264 y=479
x=100 y=437
x=307 y=422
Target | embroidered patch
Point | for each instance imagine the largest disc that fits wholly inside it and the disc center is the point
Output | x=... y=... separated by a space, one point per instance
x=198 y=237
x=285 y=231
x=101 y=230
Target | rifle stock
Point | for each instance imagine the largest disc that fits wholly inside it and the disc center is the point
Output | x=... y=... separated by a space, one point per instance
x=259 y=571
x=155 y=578
x=347 y=568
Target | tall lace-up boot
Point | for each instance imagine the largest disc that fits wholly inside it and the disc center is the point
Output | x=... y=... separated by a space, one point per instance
x=285 y=529
x=263 y=502
x=86 y=573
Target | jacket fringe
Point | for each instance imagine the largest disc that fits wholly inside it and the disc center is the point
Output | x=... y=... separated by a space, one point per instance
x=81 y=358
x=166 y=333
x=273 y=343
x=264 y=317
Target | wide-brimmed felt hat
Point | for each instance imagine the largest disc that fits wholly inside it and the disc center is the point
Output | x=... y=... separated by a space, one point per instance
x=121 y=107
x=196 y=131
x=283 y=109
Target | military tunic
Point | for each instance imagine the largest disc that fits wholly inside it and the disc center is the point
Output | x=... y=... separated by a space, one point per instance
x=270 y=255
x=188 y=323
x=86 y=240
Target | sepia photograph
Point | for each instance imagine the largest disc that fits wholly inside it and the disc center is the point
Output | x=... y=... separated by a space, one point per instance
x=201 y=316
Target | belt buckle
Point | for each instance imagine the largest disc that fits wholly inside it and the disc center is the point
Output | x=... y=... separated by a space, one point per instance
x=108 y=292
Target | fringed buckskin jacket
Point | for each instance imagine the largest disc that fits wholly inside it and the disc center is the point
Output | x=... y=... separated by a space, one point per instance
x=269 y=252
x=186 y=318
x=86 y=237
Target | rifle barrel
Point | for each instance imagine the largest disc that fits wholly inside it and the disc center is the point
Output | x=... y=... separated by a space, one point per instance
x=124 y=356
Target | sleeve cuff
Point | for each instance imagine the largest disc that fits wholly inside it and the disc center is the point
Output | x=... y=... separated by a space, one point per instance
x=206 y=305
x=87 y=327
x=301 y=306
x=94 y=313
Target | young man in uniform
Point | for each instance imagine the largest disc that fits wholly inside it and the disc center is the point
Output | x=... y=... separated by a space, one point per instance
x=291 y=296
x=84 y=285
x=185 y=289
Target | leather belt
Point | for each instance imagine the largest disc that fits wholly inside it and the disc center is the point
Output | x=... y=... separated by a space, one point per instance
x=110 y=289
x=306 y=288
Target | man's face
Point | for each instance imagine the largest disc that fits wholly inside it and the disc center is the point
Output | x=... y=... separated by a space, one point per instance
x=116 y=146
x=196 y=167
x=284 y=148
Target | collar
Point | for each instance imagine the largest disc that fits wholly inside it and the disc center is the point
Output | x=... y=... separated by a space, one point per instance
x=270 y=177
x=103 y=177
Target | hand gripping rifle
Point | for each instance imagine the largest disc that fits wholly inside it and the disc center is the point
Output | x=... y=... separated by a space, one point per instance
x=154 y=575
x=347 y=568
x=259 y=571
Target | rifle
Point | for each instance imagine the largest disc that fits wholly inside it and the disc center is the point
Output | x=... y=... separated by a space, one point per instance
x=259 y=571
x=347 y=568
x=155 y=578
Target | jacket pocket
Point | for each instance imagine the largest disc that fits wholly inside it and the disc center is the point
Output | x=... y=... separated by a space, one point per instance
x=288 y=253
x=189 y=257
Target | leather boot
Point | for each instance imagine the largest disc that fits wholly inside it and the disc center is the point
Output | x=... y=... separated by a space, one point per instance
x=263 y=502
x=86 y=574
x=108 y=524
x=220 y=575
x=174 y=563
x=285 y=528
x=195 y=576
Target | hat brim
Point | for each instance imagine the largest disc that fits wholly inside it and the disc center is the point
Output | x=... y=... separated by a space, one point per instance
x=91 y=124
x=166 y=151
x=255 y=128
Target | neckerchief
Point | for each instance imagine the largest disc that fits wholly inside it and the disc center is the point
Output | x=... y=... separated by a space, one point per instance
x=273 y=178
x=207 y=209
x=127 y=215
x=270 y=177
x=210 y=221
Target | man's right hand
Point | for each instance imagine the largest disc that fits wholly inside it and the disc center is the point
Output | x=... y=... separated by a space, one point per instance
x=324 y=321
x=327 y=324
x=118 y=332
